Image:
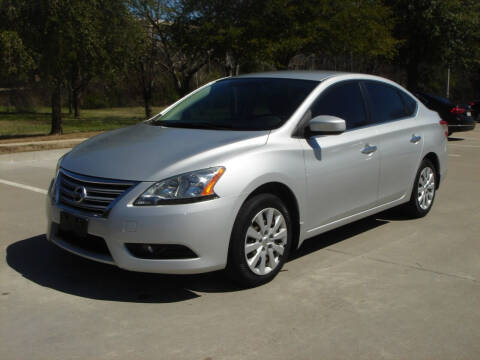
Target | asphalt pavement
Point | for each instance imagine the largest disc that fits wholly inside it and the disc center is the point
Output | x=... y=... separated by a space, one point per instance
x=385 y=287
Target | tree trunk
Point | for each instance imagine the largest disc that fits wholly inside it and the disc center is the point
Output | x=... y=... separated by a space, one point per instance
x=76 y=103
x=228 y=64
x=70 y=100
x=185 y=87
x=147 y=101
x=56 y=110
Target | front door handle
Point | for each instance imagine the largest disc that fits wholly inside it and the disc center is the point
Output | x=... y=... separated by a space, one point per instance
x=415 y=139
x=369 y=149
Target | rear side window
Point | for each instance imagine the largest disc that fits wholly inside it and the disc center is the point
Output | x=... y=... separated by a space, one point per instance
x=342 y=100
x=387 y=105
x=410 y=104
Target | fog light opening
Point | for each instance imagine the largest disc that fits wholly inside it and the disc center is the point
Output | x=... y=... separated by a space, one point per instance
x=160 y=251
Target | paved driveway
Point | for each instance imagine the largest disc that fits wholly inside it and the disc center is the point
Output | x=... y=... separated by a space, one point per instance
x=384 y=287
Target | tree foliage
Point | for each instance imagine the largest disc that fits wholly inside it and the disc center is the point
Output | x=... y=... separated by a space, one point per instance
x=66 y=45
x=181 y=52
x=433 y=31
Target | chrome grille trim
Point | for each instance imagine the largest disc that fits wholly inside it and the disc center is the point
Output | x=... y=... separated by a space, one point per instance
x=101 y=194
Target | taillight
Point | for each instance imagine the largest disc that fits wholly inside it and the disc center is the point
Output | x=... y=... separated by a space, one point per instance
x=444 y=124
x=472 y=103
x=458 y=110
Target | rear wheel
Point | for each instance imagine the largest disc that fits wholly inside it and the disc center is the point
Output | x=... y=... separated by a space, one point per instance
x=423 y=192
x=260 y=241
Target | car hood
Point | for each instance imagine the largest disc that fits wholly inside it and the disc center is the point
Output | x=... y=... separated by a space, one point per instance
x=151 y=153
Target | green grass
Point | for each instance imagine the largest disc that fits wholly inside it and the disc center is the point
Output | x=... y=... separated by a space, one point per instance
x=38 y=122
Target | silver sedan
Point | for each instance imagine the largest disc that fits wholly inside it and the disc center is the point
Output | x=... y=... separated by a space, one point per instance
x=237 y=174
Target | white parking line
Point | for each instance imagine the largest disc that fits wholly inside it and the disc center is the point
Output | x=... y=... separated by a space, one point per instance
x=454 y=155
x=22 y=186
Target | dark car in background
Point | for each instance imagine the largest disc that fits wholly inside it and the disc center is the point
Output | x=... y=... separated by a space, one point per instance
x=475 y=107
x=459 y=118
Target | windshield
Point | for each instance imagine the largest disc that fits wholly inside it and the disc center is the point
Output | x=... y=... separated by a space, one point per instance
x=239 y=104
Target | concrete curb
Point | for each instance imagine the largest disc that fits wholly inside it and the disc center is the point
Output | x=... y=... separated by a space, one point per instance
x=39 y=145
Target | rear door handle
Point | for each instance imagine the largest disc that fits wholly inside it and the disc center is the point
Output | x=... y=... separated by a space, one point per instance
x=415 y=139
x=369 y=149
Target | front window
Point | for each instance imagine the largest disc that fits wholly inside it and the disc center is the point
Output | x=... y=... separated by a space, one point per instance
x=239 y=104
x=343 y=100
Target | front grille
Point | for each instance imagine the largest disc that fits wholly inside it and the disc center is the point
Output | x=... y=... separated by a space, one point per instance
x=89 y=195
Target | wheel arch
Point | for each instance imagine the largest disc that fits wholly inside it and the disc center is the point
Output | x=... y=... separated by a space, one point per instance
x=436 y=163
x=288 y=197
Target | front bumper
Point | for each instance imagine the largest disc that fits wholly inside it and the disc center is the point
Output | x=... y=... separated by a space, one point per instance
x=204 y=227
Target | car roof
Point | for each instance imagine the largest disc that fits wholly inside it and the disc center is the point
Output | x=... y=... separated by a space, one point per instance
x=320 y=76
x=297 y=74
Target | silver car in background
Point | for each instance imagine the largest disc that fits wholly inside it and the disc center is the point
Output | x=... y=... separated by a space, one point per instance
x=240 y=172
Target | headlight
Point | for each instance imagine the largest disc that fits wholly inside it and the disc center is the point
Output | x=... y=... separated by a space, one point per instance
x=53 y=183
x=184 y=188
x=58 y=164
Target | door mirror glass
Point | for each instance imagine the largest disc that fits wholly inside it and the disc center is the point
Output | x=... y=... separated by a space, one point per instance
x=326 y=124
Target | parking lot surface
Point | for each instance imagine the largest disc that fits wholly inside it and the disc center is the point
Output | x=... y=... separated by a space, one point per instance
x=384 y=287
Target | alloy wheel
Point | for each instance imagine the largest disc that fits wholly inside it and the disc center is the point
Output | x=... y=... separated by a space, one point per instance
x=265 y=241
x=426 y=188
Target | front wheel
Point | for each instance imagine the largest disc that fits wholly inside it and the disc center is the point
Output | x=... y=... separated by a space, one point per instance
x=260 y=241
x=423 y=193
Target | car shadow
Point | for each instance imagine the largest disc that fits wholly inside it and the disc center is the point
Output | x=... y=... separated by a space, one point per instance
x=45 y=264
x=337 y=235
x=455 y=139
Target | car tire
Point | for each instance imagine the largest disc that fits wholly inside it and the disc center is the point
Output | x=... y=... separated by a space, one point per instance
x=423 y=192
x=260 y=241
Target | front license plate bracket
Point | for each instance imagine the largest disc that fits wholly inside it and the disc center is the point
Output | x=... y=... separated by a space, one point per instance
x=73 y=225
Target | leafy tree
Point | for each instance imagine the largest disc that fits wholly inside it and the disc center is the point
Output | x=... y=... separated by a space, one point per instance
x=433 y=31
x=328 y=27
x=229 y=30
x=275 y=31
x=143 y=61
x=72 y=43
x=15 y=61
x=94 y=31
x=181 y=52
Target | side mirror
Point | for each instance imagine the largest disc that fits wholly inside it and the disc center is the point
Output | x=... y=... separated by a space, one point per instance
x=326 y=124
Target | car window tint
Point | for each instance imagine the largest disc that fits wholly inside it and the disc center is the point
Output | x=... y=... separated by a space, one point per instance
x=410 y=104
x=386 y=102
x=240 y=104
x=344 y=101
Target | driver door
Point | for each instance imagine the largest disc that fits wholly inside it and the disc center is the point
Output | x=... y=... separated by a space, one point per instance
x=342 y=170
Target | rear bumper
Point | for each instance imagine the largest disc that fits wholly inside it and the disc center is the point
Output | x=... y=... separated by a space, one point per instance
x=203 y=227
x=461 y=123
x=461 y=127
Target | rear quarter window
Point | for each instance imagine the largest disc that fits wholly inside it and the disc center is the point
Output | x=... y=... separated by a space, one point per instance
x=409 y=102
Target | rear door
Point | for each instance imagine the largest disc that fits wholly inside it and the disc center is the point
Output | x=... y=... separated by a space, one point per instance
x=342 y=170
x=400 y=138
